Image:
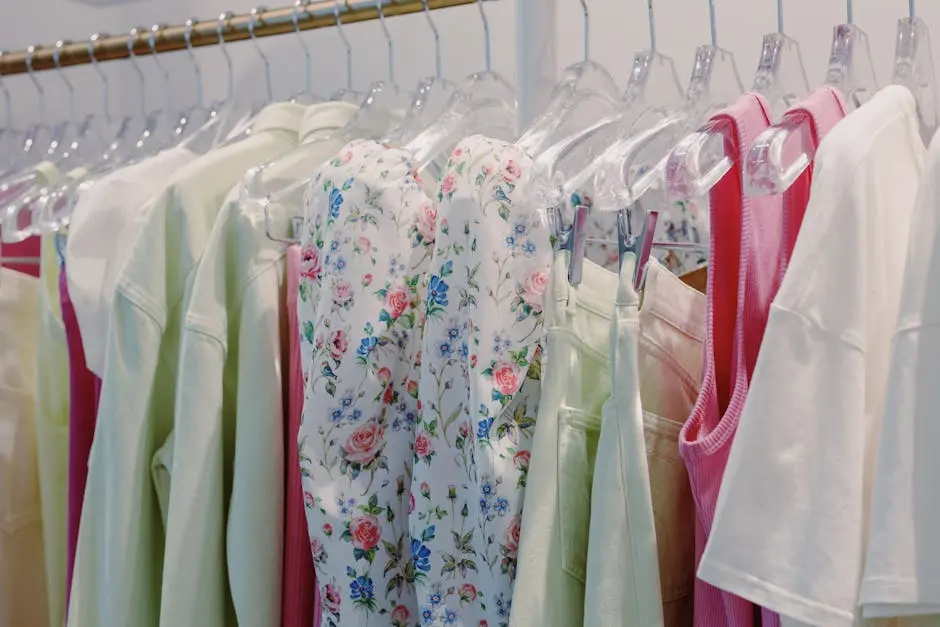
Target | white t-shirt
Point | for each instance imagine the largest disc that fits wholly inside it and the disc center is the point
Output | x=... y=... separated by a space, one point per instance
x=791 y=522
x=902 y=567
x=102 y=232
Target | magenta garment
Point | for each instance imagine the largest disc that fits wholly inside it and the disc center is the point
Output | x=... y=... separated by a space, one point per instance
x=300 y=595
x=752 y=239
x=85 y=389
x=26 y=248
x=743 y=276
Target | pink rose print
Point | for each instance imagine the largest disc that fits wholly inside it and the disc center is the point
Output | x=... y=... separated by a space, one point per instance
x=308 y=500
x=364 y=444
x=316 y=549
x=423 y=445
x=331 y=598
x=365 y=532
x=521 y=459
x=425 y=489
x=342 y=292
x=363 y=245
x=427 y=220
x=367 y=280
x=384 y=375
x=338 y=344
x=465 y=429
x=512 y=171
x=310 y=266
x=512 y=537
x=533 y=290
x=483 y=623
x=411 y=504
x=327 y=530
x=505 y=379
x=413 y=388
x=458 y=152
x=448 y=184
x=396 y=301
x=468 y=592
x=400 y=614
x=347 y=157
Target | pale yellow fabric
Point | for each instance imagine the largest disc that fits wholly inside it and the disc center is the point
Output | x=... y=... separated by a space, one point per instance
x=22 y=564
x=52 y=425
x=119 y=560
x=228 y=411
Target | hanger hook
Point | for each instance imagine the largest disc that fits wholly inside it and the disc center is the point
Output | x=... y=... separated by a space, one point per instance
x=911 y=9
x=253 y=17
x=437 y=40
x=486 y=35
x=652 y=20
x=713 y=29
x=6 y=97
x=295 y=18
x=388 y=38
x=848 y=12
x=68 y=84
x=42 y=93
x=587 y=31
x=152 y=42
x=342 y=36
x=188 y=38
x=780 y=16
x=135 y=32
x=106 y=86
x=224 y=17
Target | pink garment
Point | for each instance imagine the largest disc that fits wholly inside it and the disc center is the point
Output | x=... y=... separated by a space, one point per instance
x=822 y=109
x=300 y=595
x=752 y=239
x=26 y=248
x=85 y=389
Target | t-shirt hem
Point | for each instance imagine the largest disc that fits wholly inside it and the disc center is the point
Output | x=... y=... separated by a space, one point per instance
x=772 y=596
x=889 y=597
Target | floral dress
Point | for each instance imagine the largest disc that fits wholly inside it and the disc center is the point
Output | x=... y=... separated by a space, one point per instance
x=365 y=258
x=479 y=386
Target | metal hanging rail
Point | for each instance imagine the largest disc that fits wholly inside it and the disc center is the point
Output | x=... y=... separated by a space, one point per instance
x=320 y=14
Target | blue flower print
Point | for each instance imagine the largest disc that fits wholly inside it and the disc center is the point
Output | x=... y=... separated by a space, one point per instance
x=420 y=555
x=502 y=506
x=483 y=429
x=450 y=617
x=435 y=598
x=445 y=349
x=336 y=201
x=366 y=346
x=362 y=588
x=437 y=291
x=487 y=488
x=336 y=415
x=427 y=615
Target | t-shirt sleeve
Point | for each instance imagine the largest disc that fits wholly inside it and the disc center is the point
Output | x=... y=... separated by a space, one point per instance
x=902 y=568
x=788 y=528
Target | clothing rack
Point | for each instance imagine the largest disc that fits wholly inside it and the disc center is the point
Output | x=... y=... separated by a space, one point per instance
x=265 y=23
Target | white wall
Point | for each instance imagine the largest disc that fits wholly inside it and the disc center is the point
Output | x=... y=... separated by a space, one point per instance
x=619 y=27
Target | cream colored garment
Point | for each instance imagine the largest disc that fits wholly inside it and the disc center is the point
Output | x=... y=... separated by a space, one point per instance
x=118 y=562
x=52 y=427
x=553 y=547
x=22 y=571
x=641 y=561
x=228 y=431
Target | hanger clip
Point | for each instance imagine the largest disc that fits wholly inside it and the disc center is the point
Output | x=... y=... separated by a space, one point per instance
x=640 y=246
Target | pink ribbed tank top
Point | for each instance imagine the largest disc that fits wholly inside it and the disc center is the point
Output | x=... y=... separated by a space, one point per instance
x=751 y=242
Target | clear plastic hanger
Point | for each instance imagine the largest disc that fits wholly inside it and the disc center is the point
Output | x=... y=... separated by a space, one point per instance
x=385 y=103
x=781 y=74
x=237 y=124
x=346 y=94
x=634 y=166
x=484 y=104
x=38 y=135
x=182 y=122
x=700 y=159
x=653 y=82
x=9 y=136
x=587 y=92
x=851 y=69
x=913 y=68
x=431 y=96
x=273 y=184
x=306 y=96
